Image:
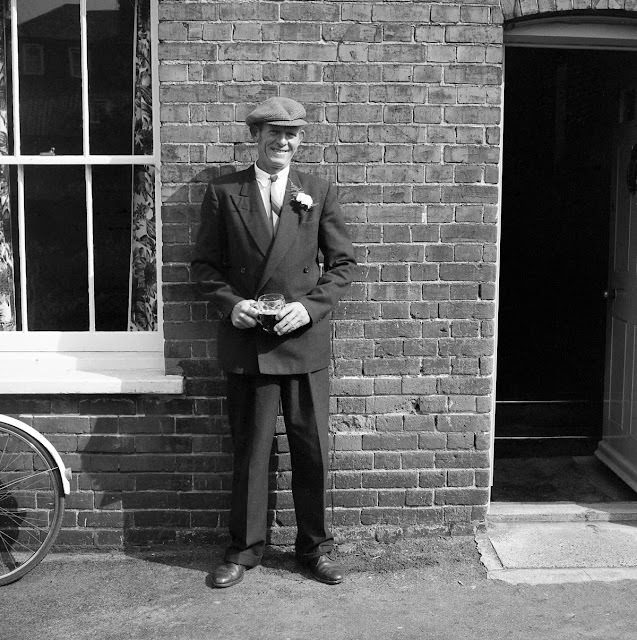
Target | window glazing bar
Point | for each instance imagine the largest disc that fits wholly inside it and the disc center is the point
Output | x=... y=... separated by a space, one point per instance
x=15 y=80
x=84 y=65
x=15 y=89
x=154 y=56
x=88 y=174
x=88 y=181
x=79 y=159
x=23 y=251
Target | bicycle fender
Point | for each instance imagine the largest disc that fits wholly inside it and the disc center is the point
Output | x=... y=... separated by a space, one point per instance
x=36 y=435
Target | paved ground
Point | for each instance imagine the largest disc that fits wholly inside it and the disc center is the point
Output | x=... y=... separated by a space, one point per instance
x=424 y=589
x=550 y=542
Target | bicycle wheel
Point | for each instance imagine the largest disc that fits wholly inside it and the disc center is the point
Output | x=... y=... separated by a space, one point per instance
x=31 y=502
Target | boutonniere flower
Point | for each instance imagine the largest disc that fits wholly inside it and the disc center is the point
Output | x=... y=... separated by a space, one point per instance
x=301 y=202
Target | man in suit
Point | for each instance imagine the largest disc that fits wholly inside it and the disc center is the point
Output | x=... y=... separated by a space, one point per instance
x=263 y=231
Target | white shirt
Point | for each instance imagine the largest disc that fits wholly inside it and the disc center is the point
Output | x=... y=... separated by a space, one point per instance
x=277 y=193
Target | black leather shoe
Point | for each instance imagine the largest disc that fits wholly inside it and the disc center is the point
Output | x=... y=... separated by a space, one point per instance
x=325 y=570
x=227 y=575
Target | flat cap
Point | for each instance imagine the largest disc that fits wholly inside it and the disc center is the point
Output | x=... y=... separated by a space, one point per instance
x=284 y=112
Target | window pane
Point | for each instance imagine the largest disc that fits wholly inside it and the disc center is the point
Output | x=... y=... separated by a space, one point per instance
x=9 y=262
x=110 y=27
x=9 y=303
x=112 y=192
x=143 y=315
x=143 y=123
x=50 y=89
x=6 y=104
x=56 y=252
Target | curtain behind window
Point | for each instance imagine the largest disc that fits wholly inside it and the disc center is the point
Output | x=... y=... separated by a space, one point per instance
x=143 y=292
x=7 y=284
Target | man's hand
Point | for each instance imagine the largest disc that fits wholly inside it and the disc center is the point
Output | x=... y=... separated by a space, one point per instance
x=244 y=314
x=293 y=316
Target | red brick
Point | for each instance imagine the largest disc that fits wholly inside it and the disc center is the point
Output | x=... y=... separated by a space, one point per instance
x=179 y=11
x=411 y=53
x=391 y=498
x=390 y=441
x=387 y=460
x=389 y=479
x=352 y=498
x=464 y=496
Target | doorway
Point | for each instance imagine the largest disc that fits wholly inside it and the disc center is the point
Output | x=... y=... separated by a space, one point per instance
x=561 y=107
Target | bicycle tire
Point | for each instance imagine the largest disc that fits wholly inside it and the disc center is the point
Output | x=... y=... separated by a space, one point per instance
x=31 y=502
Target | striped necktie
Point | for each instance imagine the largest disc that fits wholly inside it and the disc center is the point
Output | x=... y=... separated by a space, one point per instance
x=274 y=207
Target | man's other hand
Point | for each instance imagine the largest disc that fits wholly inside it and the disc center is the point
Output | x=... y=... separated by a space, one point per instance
x=292 y=317
x=244 y=314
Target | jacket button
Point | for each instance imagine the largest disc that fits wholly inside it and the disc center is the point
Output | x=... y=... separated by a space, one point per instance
x=242 y=270
x=306 y=269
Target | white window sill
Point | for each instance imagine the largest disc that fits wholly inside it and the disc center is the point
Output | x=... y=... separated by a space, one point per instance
x=86 y=374
x=142 y=381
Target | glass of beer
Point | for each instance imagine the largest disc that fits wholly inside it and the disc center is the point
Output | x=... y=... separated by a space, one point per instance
x=268 y=305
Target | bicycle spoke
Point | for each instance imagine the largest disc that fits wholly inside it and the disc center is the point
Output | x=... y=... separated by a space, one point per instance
x=3 y=537
x=4 y=450
x=31 y=502
x=36 y=539
x=15 y=541
x=33 y=475
x=10 y=547
x=7 y=465
x=24 y=523
x=16 y=456
x=13 y=564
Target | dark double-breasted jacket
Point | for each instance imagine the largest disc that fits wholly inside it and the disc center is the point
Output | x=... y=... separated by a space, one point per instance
x=237 y=258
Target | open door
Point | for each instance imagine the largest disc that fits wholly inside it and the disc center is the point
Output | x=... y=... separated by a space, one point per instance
x=618 y=447
x=556 y=194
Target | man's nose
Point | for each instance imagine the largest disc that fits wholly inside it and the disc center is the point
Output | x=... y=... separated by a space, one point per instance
x=281 y=139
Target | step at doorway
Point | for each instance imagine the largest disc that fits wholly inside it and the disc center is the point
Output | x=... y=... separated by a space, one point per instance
x=579 y=479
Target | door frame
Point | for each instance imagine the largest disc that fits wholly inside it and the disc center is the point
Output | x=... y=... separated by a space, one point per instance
x=602 y=33
x=573 y=32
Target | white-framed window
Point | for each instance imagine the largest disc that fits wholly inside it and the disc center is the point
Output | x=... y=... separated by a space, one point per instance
x=80 y=236
x=32 y=59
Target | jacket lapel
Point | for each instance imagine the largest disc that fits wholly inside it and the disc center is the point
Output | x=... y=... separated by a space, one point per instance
x=250 y=207
x=286 y=232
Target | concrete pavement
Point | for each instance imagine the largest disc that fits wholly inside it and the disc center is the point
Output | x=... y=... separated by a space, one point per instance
x=560 y=542
x=420 y=589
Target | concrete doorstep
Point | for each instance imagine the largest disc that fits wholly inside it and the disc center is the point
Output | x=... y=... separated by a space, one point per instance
x=548 y=543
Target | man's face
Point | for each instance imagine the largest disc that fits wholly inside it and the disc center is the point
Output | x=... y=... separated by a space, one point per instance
x=277 y=146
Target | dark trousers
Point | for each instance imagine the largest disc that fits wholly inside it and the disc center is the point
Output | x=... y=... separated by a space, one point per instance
x=253 y=403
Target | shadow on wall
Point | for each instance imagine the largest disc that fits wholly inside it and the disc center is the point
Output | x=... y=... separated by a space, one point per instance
x=157 y=479
x=147 y=480
x=158 y=470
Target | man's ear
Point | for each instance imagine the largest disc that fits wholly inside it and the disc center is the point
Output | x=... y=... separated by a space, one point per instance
x=301 y=135
x=254 y=131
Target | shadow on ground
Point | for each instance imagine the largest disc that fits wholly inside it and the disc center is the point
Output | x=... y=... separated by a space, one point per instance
x=581 y=479
x=410 y=589
x=446 y=554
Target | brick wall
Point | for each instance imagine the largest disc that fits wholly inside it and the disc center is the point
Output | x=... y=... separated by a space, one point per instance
x=405 y=100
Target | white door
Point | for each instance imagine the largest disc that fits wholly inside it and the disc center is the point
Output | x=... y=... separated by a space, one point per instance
x=618 y=448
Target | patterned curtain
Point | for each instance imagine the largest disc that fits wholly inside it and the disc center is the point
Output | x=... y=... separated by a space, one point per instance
x=142 y=306
x=7 y=284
